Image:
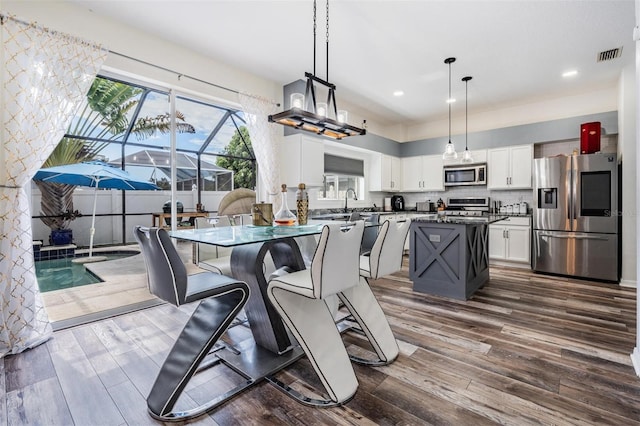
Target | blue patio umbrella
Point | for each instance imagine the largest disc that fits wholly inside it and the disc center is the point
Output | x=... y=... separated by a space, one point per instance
x=94 y=174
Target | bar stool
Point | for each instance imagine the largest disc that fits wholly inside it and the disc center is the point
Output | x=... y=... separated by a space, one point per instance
x=299 y=297
x=221 y=299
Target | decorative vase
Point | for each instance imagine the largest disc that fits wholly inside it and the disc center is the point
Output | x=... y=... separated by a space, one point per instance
x=284 y=217
x=302 y=204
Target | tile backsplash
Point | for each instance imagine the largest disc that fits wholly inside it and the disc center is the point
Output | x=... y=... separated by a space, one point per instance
x=506 y=197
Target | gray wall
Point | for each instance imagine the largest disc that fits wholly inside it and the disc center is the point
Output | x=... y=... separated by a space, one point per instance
x=547 y=131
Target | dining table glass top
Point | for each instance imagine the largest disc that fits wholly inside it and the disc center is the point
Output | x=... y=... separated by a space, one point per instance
x=230 y=236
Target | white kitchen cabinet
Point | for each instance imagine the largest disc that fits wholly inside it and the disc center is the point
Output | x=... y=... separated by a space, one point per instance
x=510 y=240
x=385 y=173
x=422 y=173
x=301 y=161
x=510 y=167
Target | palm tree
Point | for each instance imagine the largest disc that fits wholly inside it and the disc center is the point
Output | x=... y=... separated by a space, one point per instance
x=103 y=118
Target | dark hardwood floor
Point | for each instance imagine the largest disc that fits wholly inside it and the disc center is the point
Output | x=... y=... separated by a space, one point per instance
x=527 y=349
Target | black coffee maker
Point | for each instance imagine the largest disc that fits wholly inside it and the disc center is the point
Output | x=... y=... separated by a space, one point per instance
x=397 y=203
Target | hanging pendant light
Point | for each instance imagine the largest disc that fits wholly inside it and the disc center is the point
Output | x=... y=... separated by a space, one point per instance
x=320 y=118
x=466 y=156
x=450 y=151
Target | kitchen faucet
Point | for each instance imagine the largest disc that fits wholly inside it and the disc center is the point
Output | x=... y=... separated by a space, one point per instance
x=346 y=193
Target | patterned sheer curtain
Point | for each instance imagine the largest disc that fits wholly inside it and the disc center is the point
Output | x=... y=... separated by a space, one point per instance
x=45 y=77
x=264 y=139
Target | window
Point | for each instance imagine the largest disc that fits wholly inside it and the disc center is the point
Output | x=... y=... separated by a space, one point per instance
x=127 y=125
x=342 y=174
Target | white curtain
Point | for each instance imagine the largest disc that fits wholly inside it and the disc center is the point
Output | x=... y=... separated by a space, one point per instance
x=45 y=77
x=264 y=139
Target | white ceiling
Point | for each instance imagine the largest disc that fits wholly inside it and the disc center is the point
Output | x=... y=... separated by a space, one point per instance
x=515 y=50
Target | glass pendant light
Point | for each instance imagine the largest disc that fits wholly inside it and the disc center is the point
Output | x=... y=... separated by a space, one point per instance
x=466 y=156
x=450 y=151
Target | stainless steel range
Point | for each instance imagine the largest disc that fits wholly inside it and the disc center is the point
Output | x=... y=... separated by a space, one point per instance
x=467 y=206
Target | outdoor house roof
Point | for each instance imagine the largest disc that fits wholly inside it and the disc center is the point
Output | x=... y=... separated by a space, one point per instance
x=186 y=164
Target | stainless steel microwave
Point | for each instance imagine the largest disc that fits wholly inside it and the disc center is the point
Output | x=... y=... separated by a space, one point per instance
x=459 y=175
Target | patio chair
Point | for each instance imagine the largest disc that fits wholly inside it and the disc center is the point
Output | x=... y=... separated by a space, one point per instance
x=238 y=201
x=220 y=298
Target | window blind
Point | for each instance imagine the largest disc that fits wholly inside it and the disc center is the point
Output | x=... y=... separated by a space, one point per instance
x=336 y=165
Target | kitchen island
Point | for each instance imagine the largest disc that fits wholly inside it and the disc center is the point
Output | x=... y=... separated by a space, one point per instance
x=449 y=256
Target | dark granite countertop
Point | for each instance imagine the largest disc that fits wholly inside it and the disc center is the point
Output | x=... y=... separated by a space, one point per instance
x=462 y=220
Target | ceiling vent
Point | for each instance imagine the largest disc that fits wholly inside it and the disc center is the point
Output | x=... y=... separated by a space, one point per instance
x=609 y=55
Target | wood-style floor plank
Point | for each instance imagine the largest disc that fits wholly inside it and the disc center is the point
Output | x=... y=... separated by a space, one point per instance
x=88 y=399
x=40 y=403
x=526 y=349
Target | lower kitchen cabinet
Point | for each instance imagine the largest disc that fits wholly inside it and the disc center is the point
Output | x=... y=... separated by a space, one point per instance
x=510 y=241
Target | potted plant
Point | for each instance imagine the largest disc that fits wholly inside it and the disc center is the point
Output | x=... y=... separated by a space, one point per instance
x=60 y=232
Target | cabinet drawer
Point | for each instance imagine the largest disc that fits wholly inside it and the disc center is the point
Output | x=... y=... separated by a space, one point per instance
x=515 y=221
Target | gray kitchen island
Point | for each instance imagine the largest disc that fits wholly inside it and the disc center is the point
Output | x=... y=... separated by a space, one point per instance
x=449 y=256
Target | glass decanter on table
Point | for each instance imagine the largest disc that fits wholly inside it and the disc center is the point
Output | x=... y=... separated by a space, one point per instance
x=284 y=217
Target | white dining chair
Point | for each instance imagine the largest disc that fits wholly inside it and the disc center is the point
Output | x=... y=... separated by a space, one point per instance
x=385 y=258
x=213 y=258
x=299 y=297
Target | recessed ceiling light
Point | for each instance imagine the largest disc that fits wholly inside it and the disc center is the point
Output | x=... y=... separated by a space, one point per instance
x=571 y=73
x=398 y=93
x=451 y=100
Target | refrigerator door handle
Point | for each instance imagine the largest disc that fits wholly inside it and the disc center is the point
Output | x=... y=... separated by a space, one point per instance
x=574 y=237
x=574 y=190
x=589 y=237
x=564 y=237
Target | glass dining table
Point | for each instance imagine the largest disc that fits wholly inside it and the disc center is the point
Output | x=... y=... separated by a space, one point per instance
x=250 y=244
x=272 y=347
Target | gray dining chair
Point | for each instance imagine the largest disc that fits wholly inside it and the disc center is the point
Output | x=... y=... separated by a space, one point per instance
x=221 y=298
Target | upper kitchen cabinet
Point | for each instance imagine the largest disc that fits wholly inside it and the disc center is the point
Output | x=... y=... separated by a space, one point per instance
x=301 y=161
x=385 y=173
x=510 y=167
x=422 y=173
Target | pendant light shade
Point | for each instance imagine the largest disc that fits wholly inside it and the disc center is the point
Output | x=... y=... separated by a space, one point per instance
x=466 y=156
x=450 y=151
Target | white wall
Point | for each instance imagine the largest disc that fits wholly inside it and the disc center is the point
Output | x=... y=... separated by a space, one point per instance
x=109 y=229
x=627 y=153
x=512 y=115
x=79 y=21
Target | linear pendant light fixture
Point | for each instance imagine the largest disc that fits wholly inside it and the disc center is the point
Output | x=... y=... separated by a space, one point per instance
x=305 y=114
x=466 y=155
x=450 y=151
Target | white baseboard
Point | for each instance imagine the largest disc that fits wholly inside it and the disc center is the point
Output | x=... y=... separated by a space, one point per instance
x=629 y=283
x=635 y=360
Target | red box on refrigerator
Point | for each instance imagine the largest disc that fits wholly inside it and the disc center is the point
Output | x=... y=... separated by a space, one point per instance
x=590 y=137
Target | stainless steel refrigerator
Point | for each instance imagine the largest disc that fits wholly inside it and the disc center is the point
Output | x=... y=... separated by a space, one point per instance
x=575 y=217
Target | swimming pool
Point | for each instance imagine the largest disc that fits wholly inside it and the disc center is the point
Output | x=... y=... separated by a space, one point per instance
x=63 y=273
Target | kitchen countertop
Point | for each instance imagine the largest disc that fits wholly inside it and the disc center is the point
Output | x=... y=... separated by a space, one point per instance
x=461 y=220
